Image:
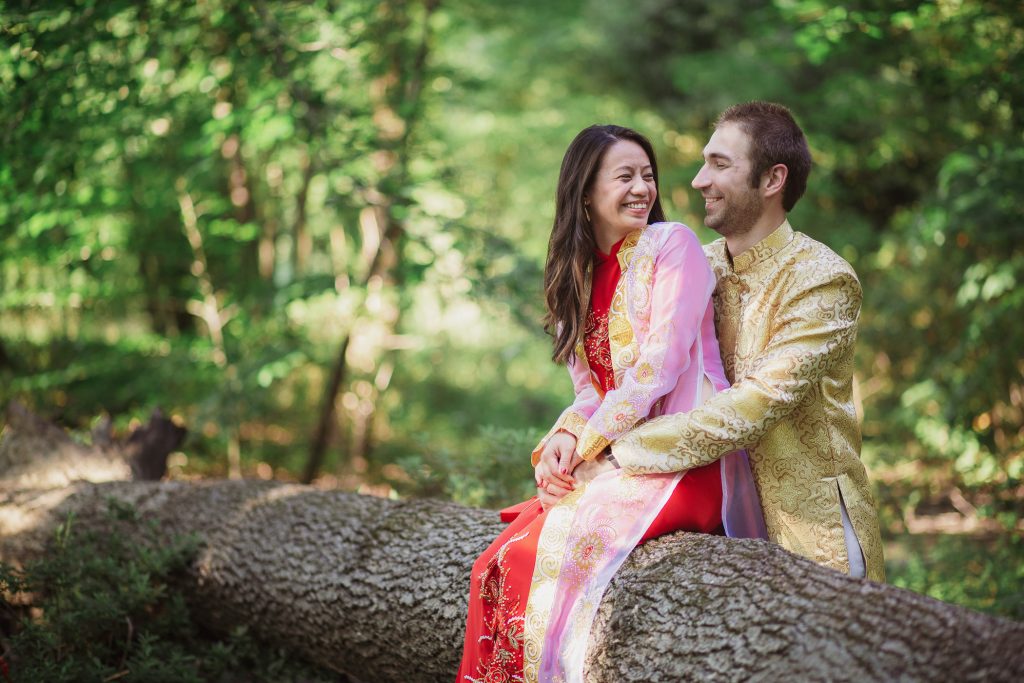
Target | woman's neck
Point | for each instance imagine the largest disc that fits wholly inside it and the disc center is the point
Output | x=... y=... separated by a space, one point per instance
x=607 y=238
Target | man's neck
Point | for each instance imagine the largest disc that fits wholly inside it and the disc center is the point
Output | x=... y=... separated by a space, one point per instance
x=765 y=225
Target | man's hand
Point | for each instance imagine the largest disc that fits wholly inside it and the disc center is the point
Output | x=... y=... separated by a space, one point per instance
x=590 y=469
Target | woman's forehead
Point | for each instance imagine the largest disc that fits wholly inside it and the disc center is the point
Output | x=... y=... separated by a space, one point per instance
x=625 y=154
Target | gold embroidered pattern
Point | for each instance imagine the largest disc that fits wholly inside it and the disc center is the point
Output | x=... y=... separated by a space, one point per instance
x=504 y=627
x=595 y=341
x=550 y=553
x=629 y=320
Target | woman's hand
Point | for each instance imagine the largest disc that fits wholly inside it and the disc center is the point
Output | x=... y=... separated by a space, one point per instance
x=569 y=460
x=549 y=495
x=552 y=492
x=549 y=470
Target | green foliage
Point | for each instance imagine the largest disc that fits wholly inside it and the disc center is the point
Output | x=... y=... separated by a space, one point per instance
x=992 y=579
x=109 y=607
x=490 y=469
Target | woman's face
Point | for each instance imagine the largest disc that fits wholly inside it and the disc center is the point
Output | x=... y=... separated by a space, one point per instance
x=622 y=194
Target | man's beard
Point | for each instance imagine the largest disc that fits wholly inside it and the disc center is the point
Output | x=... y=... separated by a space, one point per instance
x=739 y=217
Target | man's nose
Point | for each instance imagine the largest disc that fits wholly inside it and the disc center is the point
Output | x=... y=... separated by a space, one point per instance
x=701 y=179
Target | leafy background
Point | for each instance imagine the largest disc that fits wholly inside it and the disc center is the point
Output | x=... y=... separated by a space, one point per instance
x=314 y=231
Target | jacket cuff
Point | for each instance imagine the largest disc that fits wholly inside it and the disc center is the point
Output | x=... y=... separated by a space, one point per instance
x=590 y=444
x=571 y=422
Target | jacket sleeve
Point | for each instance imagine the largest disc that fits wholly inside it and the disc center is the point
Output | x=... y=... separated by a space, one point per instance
x=682 y=286
x=813 y=332
x=574 y=418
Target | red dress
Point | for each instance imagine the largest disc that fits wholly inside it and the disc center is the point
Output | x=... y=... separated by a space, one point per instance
x=500 y=583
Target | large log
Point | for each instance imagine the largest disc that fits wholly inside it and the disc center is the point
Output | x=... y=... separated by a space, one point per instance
x=377 y=589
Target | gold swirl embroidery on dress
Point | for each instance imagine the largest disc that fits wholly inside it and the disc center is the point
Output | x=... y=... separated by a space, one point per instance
x=550 y=554
x=628 y=320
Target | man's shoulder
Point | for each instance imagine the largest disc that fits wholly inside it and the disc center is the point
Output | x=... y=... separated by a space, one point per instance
x=716 y=254
x=817 y=261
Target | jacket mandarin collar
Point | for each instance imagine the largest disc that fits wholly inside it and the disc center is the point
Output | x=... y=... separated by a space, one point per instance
x=628 y=247
x=763 y=250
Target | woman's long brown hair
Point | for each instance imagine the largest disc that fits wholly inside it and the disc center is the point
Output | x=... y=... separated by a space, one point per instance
x=572 y=244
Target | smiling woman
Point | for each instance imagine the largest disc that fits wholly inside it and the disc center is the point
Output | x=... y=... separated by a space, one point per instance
x=622 y=194
x=629 y=306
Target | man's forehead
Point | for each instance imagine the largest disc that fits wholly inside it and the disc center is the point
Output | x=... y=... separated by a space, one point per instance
x=729 y=140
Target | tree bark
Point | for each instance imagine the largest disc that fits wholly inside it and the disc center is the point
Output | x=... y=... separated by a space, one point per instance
x=377 y=589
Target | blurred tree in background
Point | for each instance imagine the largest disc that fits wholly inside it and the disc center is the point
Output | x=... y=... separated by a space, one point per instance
x=314 y=231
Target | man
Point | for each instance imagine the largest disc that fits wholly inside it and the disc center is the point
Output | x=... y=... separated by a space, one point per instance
x=786 y=310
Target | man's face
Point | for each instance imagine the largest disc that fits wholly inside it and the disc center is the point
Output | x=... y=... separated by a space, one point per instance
x=732 y=207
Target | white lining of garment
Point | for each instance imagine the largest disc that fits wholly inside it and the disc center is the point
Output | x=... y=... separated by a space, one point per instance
x=853 y=550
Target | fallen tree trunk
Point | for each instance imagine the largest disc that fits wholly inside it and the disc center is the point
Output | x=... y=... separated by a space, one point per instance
x=377 y=589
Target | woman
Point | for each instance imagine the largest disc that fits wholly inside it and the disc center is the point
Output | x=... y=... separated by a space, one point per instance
x=629 y=306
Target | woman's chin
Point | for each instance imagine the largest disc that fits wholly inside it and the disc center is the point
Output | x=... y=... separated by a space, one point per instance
x=632 y=223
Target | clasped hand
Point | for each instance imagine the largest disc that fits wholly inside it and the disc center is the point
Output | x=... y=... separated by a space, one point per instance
x=557 y=461
x=558 y=469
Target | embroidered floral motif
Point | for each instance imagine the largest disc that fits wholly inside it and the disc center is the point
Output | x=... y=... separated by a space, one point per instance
x=599 y=352
x=644 y=373
x=588 y=551
x=503 y=618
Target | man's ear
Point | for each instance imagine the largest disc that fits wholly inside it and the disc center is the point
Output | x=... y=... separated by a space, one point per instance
x=774 y=180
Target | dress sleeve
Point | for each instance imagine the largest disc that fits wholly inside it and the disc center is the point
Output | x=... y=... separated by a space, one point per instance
x=682 y=286
x=574 y=418
x=815 y=330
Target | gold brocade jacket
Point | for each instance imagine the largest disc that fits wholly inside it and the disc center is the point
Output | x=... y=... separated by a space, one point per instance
x=786 y=312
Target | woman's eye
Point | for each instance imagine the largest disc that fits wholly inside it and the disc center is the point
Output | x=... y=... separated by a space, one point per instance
x=649 y=176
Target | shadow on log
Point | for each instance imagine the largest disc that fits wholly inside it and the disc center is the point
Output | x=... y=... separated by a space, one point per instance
x=377 y=589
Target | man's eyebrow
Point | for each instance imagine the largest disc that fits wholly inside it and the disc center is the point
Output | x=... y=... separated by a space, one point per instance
x=718 y=155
